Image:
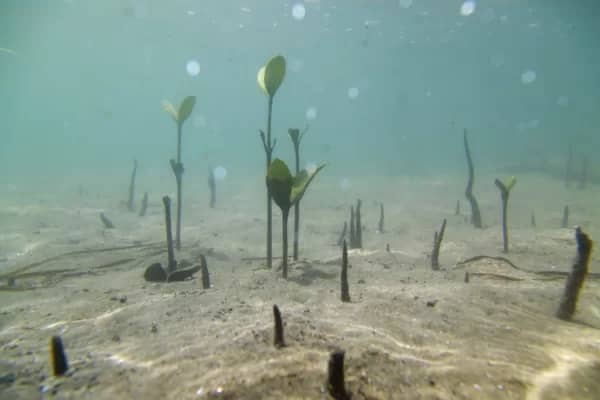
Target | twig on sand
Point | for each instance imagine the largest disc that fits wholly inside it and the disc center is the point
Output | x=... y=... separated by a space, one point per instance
x=549 y=274
x=484 y=257
x=25 y=268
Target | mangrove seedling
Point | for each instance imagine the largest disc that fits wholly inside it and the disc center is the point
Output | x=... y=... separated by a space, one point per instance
x=381 y=219
x=358 y=227
x=475 y=213
x=286 y=191
x=58 y=358
x=296 y=138
x=171 y=263
x=568 y=302
x=107 y=223
x=131 y=198
x=437 y=243
x=144 y=205
x=565 y=217
x=212 y=186
x=352 y=229
x=278 y=340
x=504 y=194
x=269 y=78
x=355 y=227
x=342 y=237
x=179 y=116
x=336 y=385
x=205 y=274
x=345 y=288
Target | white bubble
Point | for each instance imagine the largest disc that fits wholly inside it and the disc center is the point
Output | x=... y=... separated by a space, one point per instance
x=353 y=93
x=220 y=173
x=467 y=8
x=345 y=184
x=562 y=101
x=192 y=67
x=311 y=113
x=405 y=3
x=311 y=167
x=298 y=11
x=528 y=77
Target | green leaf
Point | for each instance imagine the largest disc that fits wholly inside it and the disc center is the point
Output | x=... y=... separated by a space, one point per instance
x=301 y=182
x=170 y=109
x=511 y=183
x=279 y=183
x=260 y=78
x=271 y=75
x=185 y=109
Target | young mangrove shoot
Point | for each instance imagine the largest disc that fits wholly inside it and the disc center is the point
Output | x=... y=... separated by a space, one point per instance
x=505 y=189
x=475 y=213
x=179 y=116
x=286 y=190
x=296 y=137
x=269 y=78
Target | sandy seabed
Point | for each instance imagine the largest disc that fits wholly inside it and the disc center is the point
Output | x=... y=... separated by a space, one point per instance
x=408 y=333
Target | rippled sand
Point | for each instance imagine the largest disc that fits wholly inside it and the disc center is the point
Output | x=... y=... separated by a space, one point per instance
x=409 y=332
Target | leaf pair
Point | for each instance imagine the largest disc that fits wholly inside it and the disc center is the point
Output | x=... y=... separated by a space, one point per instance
x=285 y=188
x=185 y=109
x=271 y=75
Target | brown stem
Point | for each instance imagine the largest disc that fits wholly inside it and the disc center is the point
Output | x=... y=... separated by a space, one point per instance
x=284 y=219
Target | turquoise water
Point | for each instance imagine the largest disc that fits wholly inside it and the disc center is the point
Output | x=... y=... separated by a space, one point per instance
x=83 y=82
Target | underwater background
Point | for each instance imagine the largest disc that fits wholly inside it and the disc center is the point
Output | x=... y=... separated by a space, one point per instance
x=386 y=86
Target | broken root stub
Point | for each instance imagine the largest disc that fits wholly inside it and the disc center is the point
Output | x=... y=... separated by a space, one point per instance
x=336 y=385
x=58 y=357
x=278 y=340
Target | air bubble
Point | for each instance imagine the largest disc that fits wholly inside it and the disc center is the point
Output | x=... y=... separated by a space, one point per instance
x=298 y=11
x=220 y=173
x=353 y=93
x=311 y=113
x=528 y=77
x=467 y=8
x=192 y=67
